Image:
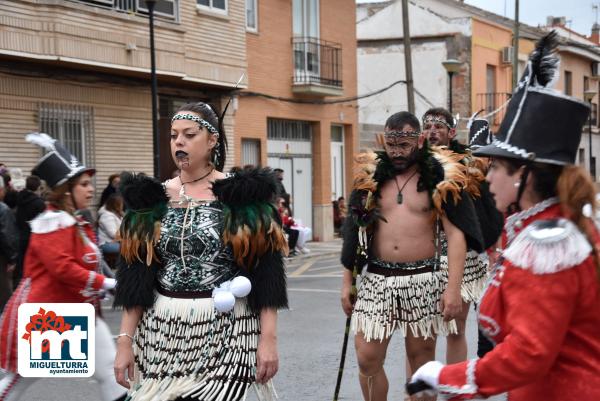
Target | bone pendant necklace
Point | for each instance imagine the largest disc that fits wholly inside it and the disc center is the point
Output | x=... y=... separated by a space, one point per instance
x=400 y=197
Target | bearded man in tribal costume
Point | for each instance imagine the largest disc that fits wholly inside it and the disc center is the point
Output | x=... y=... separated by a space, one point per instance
x=440 y=130
x=403 y=198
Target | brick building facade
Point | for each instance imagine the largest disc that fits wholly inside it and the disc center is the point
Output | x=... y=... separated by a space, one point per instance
x=312 y=142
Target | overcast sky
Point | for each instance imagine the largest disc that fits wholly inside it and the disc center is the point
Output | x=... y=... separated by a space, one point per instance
x=534 y=12
x=579 y=13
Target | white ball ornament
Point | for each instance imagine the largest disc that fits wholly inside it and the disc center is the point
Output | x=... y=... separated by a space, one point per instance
x=240 y=286
x=224 y=301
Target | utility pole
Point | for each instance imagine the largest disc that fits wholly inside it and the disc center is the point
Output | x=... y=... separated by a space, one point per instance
x=410 y=94
x=154 y=92
x=515 y=75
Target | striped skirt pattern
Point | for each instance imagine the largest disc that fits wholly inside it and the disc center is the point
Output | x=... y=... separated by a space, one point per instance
x=474 y=277
x=185 y=348
x=385 y=304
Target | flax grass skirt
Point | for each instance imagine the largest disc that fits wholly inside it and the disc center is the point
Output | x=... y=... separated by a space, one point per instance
x=386 y=304
x=185 y=348
x=474 y=277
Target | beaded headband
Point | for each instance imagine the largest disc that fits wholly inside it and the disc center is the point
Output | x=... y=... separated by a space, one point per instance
x=436 y=119
x=201 y=121
x=401 y=134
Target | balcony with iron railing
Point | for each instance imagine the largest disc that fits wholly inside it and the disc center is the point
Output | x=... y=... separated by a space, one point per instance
x=166 y=9
x=317 y=67
x=489 y=102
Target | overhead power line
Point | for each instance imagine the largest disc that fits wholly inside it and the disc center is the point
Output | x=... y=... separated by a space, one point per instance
x=334 y=101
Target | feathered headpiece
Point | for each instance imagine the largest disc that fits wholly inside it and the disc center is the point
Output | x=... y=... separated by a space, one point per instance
x=58 y=165
x=42 y=140
x=540 y=124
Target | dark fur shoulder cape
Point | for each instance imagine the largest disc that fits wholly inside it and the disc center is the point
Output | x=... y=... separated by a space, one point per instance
x=145 y=204
x=442 y=176
x=251 y=227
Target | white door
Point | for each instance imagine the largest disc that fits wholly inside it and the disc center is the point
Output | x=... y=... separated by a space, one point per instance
x=337 y=161
x=297 y=180
x=302 y=189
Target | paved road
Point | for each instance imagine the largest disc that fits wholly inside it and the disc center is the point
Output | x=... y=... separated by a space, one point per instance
x=310 y=336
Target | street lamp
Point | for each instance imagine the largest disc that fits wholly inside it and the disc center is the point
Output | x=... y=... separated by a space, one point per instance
x=452 y=66
x=155 y=138
x=588 y=95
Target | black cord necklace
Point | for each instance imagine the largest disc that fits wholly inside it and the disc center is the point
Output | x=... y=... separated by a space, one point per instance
x=197 y=179
x=399 y=197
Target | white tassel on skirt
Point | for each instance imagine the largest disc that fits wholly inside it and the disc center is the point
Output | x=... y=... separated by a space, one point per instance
x=385 y=304
x=475 y=276
x=184 y=348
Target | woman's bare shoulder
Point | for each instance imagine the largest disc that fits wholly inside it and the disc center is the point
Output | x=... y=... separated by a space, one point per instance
x=172 y=187
x=219 y=175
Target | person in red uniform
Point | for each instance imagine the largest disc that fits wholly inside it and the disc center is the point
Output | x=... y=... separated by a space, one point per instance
x=61 y=265
x=541 y=309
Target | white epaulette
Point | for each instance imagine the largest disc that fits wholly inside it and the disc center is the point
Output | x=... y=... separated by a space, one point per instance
x=548 y=246
x=51 y=220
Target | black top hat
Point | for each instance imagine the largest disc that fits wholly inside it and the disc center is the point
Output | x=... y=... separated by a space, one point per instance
x=541 y=124
x=479 y=132
x=58 y=165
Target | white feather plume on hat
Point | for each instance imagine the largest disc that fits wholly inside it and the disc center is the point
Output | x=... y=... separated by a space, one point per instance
x=42 y=140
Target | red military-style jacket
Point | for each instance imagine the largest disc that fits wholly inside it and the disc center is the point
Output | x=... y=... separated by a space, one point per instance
x=61 y=266
x=541 y=310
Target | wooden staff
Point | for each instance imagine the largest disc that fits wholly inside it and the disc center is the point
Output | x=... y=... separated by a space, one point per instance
x=360 y=249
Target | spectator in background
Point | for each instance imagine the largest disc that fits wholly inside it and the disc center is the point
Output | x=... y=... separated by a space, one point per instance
x=17 y=182
x=337 y=217
x=29 y=205
x=10 y=195
x=287 y=222
x=109 y=221
x=112 y=187
x=281 y=192
x=343 y=207
x=8 y=247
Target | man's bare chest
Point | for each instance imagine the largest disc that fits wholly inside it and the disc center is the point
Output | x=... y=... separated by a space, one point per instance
x=400 y=196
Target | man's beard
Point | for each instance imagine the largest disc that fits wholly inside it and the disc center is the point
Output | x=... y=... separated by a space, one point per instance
x=401 y=164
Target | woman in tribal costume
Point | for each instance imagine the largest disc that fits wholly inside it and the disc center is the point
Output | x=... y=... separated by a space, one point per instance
x=191 y=249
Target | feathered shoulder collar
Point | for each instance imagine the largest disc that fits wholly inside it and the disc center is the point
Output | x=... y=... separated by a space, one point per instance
x=442 y=174
x=51 y=220
x=252 y=225
x=246 y=186
x=145 y=204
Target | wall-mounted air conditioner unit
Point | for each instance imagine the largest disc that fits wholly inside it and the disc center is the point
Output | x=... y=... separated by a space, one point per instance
x=167 y=8
x=507 y=55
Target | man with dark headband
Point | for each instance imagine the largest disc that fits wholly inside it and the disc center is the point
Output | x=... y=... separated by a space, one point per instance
x=403 y=198
x=439 y=129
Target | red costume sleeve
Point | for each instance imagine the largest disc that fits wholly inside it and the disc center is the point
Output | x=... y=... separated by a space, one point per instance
x=538 y=308
x=56 y=252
